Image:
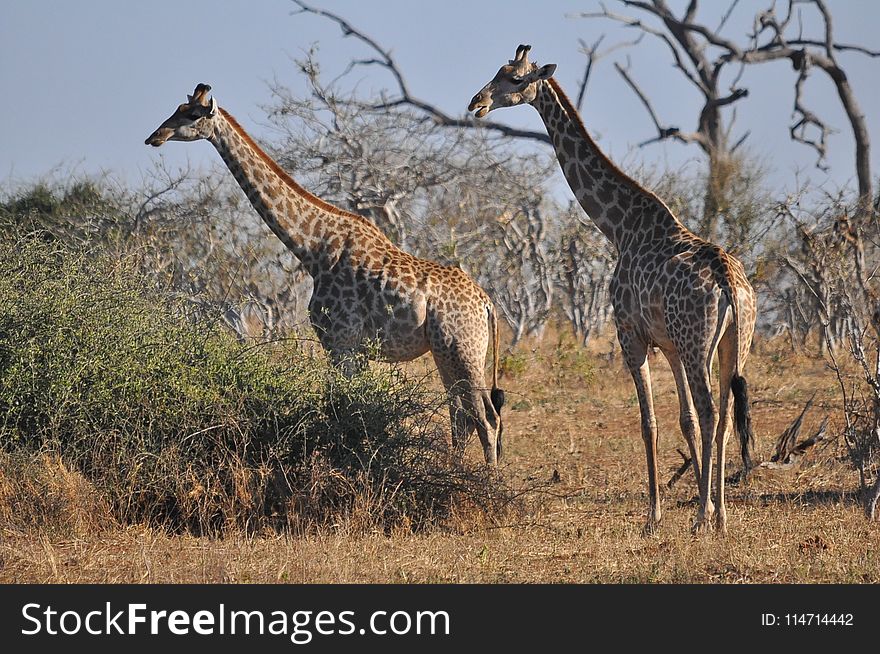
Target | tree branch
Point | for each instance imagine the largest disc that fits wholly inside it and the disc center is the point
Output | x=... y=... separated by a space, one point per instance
x=386 y=61
x=593 y=56
x=629 y=21
x=798 y=129
x=663 y=133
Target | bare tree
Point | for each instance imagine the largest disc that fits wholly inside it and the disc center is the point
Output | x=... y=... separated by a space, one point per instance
x=403 y=97
x=861 y=406
x=197 y=234
x=587 y=262
x=701 y=53
x=694 y=61
x=525 y=295
x=770 y=42
x=811 y=284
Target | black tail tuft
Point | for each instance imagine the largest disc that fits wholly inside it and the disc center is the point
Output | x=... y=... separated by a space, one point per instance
x=497 y=399
x=497 y=396
x=743 y=420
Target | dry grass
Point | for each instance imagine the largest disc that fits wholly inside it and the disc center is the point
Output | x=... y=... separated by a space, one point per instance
x=572 y=425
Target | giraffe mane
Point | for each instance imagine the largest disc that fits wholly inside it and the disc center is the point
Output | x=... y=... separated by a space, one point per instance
x=575 y=118
x=287 y=179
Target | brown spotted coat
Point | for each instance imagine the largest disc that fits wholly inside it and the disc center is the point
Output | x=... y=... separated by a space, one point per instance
x=365 y=290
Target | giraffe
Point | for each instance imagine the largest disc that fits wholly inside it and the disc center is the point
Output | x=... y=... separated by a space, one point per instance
x=670 y=288
x=364 y=288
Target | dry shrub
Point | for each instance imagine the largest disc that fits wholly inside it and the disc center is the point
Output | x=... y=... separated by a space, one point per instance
x=43 y=493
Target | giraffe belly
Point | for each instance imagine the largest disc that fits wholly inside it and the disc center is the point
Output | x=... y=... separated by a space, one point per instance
x=401 y=331
x=404 y=347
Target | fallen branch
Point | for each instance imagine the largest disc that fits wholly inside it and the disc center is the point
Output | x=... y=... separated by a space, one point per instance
x=686 y=463
x=788 y=439
x=796 y=452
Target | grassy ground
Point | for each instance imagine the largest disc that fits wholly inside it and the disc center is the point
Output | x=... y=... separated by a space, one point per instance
x=572 y=430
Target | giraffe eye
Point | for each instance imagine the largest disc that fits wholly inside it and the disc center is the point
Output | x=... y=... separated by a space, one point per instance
x=516 y=80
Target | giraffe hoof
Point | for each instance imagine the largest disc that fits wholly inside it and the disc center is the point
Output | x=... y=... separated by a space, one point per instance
x=651 y=527
x=701 y=527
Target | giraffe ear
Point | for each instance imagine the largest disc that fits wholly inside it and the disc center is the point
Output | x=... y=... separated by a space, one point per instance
x=200 y=110
x=545 y=72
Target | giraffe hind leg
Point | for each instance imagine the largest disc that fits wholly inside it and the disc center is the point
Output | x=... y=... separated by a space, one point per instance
x=687 y=415
x=726 y=370
x=459 y=424
x=469 y=406
x=493 y=412
x=700 y=384
x=479 y=406
x=635 y=353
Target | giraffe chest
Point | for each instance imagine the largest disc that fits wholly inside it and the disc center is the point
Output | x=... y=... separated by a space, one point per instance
x=637 y=291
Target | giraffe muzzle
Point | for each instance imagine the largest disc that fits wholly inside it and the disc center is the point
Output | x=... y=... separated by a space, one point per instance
x=480 y=105
x=158 y=137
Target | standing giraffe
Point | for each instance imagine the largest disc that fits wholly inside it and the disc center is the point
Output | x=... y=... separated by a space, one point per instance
x=670 y=288
x=364 y=288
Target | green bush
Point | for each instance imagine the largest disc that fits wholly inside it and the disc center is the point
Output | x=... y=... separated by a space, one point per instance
x=571 y=362
x=78 y=210
x=177 y=423
x=514 y=364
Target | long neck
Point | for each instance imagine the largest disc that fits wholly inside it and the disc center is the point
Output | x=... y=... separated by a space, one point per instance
x=616 y=203
x=302 y=221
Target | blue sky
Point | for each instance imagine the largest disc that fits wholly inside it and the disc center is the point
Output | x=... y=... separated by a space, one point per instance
x=85 y=82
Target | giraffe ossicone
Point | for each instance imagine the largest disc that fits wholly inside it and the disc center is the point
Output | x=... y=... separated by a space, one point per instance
x=670 y=288
x=365 y=289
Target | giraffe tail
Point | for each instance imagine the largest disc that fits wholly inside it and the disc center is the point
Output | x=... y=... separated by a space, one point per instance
x=741 y=411
x=743 y=420
x=496 y=395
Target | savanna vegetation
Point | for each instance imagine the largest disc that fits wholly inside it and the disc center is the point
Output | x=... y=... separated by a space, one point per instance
x=166 y=415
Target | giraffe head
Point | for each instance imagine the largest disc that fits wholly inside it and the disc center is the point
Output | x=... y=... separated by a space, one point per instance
x=191 y=121
x=515 y=83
